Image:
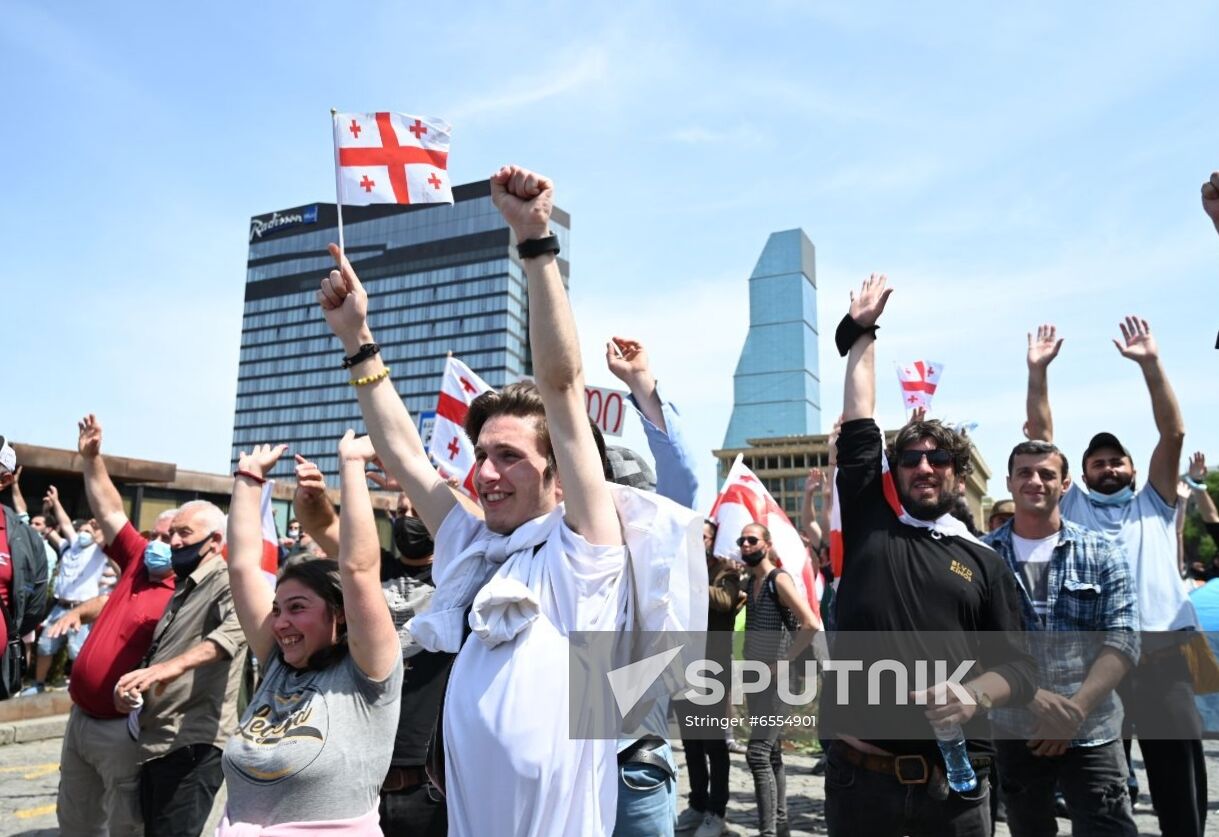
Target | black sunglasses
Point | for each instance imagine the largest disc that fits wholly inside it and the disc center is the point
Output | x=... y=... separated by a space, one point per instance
x=747 y=539
x=936 y=458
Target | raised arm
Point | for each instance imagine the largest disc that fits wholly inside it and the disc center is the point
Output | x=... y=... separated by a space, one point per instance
x=314 y=511
x=1139 y=345
x=525 y=199
x=19 y=504
x=104 y=499
x=345 y=304
x=628 y=360
x=62 y=522
x=859 y=397
x=813 y=484
x=370 y=629
x=252 y=595
x=1210 y=199
x=1202 y=497
x=1042 y=350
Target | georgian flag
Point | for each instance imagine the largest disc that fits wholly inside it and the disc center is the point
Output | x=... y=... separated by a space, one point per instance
x=449 y=447
x=919 y=380
x=270 y=535
x=945 y=525
x=391 y=158
x=744 y=500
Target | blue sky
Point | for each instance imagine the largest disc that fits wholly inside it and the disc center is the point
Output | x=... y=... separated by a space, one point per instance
x=1005 y=166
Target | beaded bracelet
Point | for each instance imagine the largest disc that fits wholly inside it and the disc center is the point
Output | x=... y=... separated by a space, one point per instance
x=241 y=472
x=370 y=379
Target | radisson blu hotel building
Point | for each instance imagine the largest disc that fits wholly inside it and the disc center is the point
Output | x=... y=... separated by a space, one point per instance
x=440 y=279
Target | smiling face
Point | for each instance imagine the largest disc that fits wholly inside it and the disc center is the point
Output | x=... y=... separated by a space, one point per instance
x=1108 y=471
x=511 y=473
x=1036 y=482
x=302 y=622
x=926 y=491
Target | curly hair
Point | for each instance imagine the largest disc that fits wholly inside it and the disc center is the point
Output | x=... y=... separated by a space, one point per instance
x=945 y=438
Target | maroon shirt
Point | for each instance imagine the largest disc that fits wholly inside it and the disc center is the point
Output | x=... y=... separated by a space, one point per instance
x=6 y=580
x=120 y=637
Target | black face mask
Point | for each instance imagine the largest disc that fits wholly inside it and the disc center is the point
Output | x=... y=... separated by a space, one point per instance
x=754 y=559
x=412 y=539
x=185 y=558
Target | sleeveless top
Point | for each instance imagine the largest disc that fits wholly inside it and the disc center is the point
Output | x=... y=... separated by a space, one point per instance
x=768 y=624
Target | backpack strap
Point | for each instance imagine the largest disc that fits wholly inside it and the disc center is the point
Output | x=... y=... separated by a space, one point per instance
x=789 y=619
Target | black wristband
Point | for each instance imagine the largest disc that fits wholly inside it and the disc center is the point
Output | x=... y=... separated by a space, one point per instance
x=848 y=332
x=535 y=247
x=364 y=353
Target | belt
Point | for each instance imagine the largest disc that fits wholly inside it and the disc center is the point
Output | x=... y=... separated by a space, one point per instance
x=643 y=751
x=403 y=778
x=908 y=770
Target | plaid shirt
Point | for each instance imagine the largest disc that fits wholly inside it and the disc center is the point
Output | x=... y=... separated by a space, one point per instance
x=1090 y=606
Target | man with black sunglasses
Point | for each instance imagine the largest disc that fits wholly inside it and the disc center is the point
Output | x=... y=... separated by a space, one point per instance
x=916 y=588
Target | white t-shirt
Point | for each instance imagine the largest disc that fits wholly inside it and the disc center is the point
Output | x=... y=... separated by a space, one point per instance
x=79 y=571
x=1144 y=532
x=511 y=765
x=1033 y=562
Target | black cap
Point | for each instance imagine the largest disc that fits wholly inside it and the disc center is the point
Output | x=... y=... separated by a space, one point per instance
x=1104 y=440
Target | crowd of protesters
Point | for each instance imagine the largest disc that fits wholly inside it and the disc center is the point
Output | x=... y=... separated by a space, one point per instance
x=425 y=690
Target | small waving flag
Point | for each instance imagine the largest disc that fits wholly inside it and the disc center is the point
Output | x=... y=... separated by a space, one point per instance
x=391 y=158
x=449 y=447
x=919 y=380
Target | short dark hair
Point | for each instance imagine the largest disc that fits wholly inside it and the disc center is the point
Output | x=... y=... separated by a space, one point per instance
x=1036 y=447
x=945 y=438
x=765 y=530
x=321 y=575
x=523 y=401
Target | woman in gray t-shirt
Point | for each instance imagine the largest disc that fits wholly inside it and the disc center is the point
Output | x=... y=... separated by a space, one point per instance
x=315 y=741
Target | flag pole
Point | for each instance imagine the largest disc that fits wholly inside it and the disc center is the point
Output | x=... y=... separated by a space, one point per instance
x=338 y=183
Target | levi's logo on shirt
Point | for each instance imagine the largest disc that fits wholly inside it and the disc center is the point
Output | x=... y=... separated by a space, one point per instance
x=962 y=570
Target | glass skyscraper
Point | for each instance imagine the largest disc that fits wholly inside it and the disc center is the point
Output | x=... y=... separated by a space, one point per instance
x=777 y=385
x=439 y=278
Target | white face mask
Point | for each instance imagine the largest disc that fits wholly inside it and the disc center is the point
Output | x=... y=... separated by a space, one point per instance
x=84 y=539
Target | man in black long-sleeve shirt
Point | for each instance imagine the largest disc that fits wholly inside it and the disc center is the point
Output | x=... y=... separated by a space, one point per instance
x=915 y=587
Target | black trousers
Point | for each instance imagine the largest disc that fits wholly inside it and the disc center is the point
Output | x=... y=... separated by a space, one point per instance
x=859 y=802
x=708 y=766
x=1158 y=697
x=1093 y=780
x=414 y=812
x=177 y=791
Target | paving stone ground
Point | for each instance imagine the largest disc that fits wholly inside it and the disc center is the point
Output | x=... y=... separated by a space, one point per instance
x=806 y=797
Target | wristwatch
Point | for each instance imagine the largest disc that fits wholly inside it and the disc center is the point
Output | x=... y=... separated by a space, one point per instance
x=981 y=698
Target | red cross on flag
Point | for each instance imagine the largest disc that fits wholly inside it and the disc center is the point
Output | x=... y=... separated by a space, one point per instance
x=744 y=500
x=449 y=446
x=270 y=535
x=888 y=488
x=919 y=380
x=391 y=158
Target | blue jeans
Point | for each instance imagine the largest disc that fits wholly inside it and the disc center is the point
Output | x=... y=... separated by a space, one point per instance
x=647 y=799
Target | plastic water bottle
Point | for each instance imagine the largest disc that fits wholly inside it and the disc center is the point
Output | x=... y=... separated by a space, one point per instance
x=961 y=776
